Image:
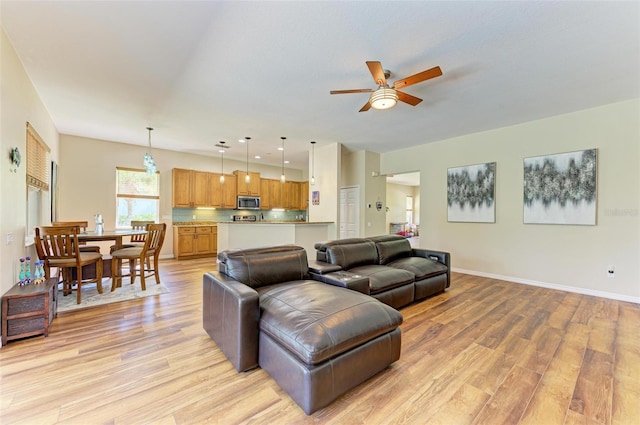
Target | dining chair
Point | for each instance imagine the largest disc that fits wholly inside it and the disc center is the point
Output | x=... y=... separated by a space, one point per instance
x=144 y=254
x=58 y=247
x=136 y=240
x=83 y=225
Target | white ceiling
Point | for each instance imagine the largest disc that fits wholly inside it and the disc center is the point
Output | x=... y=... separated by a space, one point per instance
x=205 y=71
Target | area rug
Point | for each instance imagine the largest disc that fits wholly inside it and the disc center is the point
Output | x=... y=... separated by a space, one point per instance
x=91 y=297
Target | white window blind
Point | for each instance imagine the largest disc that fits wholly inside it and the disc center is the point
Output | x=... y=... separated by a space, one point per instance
x=38 y=164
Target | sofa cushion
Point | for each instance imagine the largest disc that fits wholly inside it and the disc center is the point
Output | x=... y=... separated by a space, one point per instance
x=393 y=249
x=316 y=321
x=352 y=255
x=421 y=267
x=265 y=266
x=383 y=278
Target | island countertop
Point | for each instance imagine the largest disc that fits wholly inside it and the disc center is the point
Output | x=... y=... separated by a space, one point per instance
x=253 y=234
x=215 y=223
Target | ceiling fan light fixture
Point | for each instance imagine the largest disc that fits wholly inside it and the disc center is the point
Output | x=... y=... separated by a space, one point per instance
x=383 y=98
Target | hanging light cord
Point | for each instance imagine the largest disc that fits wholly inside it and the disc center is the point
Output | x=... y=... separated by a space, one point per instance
x=282 y=176
x=313 y=162
x=247 y=178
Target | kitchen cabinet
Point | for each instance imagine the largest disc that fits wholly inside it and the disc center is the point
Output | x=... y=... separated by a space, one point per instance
x=250 y=189
x=190 y=188
x=223 y=195
x=229 y=192
x=277 y=193
x=265 y=194
x=195 y=241
x=292 y=195
x=304 y=195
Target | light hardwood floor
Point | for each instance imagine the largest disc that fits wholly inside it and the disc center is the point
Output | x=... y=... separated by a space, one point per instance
x=484 y=352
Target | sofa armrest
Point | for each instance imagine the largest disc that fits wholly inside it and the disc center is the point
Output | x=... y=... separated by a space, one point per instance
x=230 y=315
x=320 y=267
x=439 y=256
x=346 y=280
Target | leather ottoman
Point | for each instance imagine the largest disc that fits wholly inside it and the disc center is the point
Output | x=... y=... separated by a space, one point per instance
x=318 y=341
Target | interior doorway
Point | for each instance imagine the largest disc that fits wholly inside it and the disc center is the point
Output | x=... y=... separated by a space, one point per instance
x=403 y=205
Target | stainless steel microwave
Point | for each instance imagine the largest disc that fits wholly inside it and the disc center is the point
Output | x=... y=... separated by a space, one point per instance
x=248 y=203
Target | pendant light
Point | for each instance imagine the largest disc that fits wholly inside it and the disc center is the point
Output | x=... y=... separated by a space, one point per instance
x=222 y=147
x=148 y=161
x=313 y=162
x=283 y=179
x=247 y=178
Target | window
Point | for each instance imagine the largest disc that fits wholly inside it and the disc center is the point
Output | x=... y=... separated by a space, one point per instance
x=138 y=196
x=409 y=210
x=37 y=181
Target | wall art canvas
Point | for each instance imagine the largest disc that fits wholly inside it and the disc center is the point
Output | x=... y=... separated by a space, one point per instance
x=471 y=193
x=561 y=188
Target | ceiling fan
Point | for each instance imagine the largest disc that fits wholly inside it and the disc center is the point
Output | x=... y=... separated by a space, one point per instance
x=385 y=97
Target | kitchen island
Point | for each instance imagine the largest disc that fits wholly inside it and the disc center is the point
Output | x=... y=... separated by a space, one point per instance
x=238 y=234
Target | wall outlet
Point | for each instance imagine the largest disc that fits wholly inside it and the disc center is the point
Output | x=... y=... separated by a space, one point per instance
x=9 y=238
x=611 y=271
x=194 y=217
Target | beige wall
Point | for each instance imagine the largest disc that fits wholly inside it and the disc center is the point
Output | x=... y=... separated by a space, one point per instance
x=19 y=103
x=559 y=255
x=327 y=163
x=87 y=175
x=361 y=169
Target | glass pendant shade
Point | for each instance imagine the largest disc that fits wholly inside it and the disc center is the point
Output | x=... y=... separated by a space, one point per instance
x=148 y=161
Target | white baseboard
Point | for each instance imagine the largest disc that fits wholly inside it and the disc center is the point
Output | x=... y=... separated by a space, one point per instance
x=574 y=289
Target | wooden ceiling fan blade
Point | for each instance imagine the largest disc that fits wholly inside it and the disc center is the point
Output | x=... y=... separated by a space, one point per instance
x=377 y=72
x=407 y=98
x=351 y=91
x=366 y=107
x=418 y=78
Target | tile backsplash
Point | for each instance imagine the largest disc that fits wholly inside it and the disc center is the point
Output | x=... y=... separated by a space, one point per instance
x=194 y=214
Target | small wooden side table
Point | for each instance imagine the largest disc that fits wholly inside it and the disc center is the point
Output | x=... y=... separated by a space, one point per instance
x=28 y=310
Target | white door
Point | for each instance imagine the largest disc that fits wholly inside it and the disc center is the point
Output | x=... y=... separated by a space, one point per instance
x=349 y=212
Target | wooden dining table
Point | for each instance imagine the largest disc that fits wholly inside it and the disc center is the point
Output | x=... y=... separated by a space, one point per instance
x=109 y=235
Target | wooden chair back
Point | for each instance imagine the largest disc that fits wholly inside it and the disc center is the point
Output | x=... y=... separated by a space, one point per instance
x=58 y=247
x=154 y=239
x=139 y=225
x=83 y=225
x=58 y=242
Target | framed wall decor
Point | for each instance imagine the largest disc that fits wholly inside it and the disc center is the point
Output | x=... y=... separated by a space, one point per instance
x=561 y=188
x=471 y=193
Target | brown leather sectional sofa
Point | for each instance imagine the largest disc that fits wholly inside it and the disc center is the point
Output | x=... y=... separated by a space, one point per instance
x=397 y=273
x=317 y=341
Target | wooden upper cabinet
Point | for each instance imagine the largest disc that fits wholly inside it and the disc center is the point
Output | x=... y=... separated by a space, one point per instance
x=189 y=188
x=201 y=189
x=181 y=188
x=265 y=194
x=193 y=189
x=304 y=195
x=215 y=188
x=229 y=191
x=277 y=194
x=292 y=195
x=250 y=189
